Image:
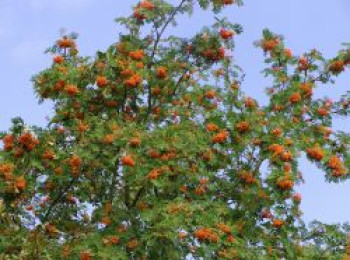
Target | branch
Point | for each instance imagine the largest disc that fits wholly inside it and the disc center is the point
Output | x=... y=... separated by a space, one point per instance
x=158 y=38
x=137 y=197
x=114 y=180
x=159 y=34
x=57 y=200
x=127 y=196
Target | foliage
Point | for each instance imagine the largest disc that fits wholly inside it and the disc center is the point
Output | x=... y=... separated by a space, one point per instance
x=155 y=152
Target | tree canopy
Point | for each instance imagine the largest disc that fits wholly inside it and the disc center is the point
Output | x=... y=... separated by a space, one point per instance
x=154 y=150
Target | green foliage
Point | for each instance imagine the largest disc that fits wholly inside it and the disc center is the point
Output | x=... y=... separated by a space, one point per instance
x=155 y=152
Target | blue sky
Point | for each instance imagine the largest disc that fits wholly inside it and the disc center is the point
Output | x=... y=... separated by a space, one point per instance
x=27 y=27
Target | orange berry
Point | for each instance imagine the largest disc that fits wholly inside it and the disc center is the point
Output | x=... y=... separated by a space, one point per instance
x=63 y=69
x=203 y=181
x=303 y=63
x=113 y=240
x=108 y=139
x=137 y=54
x=183 y=189
x=65 y=42
x=277 y=223
x=207 y=155
x=322 y=111
x=132 y=244
x=286 y=156
x=201 y=233
x=153 y=154
x=58 y=171
x=58 y=59
x=220 y=137
x=82 y=127
x=71 y=90
x=224 y=228
x=133 y=81
x=206 y=234
x=277 y=131
x=257 y=141
x=138 y=15
x=334 y=162
x=338 y=172
x=6 y=168
x=210 y=94
x=8 y=142
x=266 y=214
x=140 y=65
x=156 y=91
x=285 y=183
x=29 y=207
x=154 y=174
x=297 y=197
x=295 y=97
x=18 y=152
x=315 y=152
x=59 y=85
x=249 y=102
x=336 y=66
x=288 y=142
x=75 y=161
x=135 y=142
x=276 y=148
x=182 y=235
x=212 y=127
x=288 y=53
x=228 y=2
x=287 y=167
x=199 y=190
x=111 y=103
x=127 y=72
x=226 y=34
x=242 y=126
x=147 y=5
x=8 y=139
x=307 y=88
x=231 y=239
x=121 y=229
x=48 y=155
x=247 y=177
x=85 y=255
x=270 y=45
x=101 y=81
x=128 y=161
x=220 y=54
x=20 y=183
x=161 y=72
x=106 y=220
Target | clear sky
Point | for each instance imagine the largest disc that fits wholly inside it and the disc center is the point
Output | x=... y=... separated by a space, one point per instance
x=27 y=27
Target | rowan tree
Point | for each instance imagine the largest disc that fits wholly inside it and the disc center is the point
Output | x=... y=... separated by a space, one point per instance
x=154 y=150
